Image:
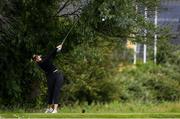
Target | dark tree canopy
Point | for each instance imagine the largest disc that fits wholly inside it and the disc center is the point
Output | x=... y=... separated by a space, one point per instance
x=36 y=26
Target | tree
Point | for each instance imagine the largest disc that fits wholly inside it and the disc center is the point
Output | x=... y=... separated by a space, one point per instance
x=29 y=27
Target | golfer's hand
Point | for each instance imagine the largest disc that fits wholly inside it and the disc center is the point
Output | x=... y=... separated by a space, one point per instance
x=59 y=47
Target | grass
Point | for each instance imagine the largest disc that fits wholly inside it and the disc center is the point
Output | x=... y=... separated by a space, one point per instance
x=91 y=115
x=109 y=110
x=116 y=107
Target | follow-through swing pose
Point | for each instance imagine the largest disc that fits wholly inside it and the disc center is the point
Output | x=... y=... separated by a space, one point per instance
x=54 y=78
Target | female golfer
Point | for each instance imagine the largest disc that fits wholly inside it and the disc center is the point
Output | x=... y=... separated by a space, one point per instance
x=54 y=78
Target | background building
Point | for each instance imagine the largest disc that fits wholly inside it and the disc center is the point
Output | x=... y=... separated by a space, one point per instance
x=167 y=15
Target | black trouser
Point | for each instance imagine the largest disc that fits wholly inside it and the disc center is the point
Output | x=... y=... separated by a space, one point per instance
x=54 y=82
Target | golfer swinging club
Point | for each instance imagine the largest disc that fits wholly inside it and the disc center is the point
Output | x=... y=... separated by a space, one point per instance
x=54 y=78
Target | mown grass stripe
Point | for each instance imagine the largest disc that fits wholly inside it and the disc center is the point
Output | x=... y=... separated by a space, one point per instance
x=91 y=115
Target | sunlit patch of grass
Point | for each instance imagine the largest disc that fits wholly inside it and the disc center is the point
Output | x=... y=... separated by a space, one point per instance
x=92 y=115
x=113 y=107
x=116 y=107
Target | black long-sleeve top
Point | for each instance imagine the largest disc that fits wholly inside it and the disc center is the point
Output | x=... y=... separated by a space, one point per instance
x=46 y=63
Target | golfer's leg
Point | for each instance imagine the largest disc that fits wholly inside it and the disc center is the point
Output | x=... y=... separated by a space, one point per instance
x=50 y=85
x=55 y=107
x=50 y=91
x=57 y=87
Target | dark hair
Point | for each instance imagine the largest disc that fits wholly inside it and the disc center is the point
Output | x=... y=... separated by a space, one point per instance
x=34 y=57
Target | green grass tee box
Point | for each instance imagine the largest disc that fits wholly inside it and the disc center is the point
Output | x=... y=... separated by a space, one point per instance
x=90 y=115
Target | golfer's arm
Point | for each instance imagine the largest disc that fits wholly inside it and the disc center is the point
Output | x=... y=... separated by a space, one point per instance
x=52 y=54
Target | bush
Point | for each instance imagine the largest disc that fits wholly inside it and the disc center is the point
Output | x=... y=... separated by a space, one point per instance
x=88 y=73
x=149 y=82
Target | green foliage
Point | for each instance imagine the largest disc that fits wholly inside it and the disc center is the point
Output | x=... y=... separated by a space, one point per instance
x=88 y=70
x=149 y=83
x=149 y=3
x=118 y=18
x=29 y=31
x=89 y=58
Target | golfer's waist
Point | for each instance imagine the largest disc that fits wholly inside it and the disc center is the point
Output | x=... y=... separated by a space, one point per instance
x=55 y=71
x=52 y=71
